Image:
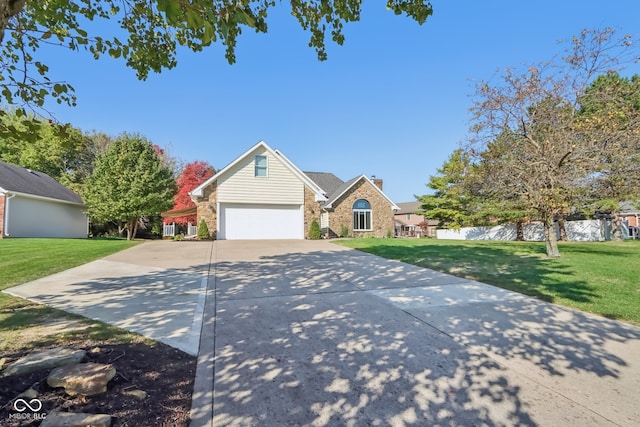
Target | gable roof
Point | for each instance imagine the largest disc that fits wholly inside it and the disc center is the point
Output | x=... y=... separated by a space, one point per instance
x=16 y=179
x=198 y=191
x=327 y=181
x=409 y=207
x=347 y=185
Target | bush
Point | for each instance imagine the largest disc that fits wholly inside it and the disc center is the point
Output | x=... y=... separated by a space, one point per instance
x=203 y=230
x=314 y=231
x=178 y=237
x=344 y=231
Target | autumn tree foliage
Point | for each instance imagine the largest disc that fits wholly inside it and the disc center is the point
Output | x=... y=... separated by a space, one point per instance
x=193 y=174
x=529 y=134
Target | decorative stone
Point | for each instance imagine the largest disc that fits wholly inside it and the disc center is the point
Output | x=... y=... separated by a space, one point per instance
x=85 y=379
x=138 y=394
x=59 y=356
x=29 y=393
x=3 y=362
x=68 y=419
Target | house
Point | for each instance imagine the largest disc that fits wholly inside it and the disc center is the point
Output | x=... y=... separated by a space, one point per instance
x=631 y=216
x=263 y=195
x=409 y=223
x=32 y=204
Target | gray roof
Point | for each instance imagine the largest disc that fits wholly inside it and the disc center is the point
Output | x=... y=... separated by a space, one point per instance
x=409 y=207
x=628 y=207
x=18 y=179
x=327 y=181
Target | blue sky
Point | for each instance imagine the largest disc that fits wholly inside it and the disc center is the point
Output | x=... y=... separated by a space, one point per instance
x=392 y=101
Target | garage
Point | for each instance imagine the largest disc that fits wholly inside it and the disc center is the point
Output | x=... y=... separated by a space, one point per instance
x=256 y=222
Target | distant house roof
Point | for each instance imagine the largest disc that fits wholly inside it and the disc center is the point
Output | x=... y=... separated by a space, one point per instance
x=409 y=207
x=16 y=179
x=628 y=208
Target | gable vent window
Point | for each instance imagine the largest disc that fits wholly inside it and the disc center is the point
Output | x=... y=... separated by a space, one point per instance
x=361 y=215
x=261 y=165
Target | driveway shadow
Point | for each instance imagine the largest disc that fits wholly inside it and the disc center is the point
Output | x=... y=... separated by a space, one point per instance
x=346 y=338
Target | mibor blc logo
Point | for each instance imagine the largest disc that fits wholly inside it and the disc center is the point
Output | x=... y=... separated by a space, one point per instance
x=27 y=410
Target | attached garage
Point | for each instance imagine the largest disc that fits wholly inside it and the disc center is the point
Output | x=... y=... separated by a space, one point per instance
x=260 y=221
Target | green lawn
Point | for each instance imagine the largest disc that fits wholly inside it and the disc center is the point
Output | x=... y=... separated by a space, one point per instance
x=598 y=277
x=22 y=260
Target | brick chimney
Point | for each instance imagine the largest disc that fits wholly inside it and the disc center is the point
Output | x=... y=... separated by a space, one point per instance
x=377 y=182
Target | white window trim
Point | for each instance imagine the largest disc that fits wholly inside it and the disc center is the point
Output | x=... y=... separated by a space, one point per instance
x=255 y=166
x=365 y=211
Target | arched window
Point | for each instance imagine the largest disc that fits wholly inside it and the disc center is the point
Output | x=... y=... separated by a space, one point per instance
x=361 y=215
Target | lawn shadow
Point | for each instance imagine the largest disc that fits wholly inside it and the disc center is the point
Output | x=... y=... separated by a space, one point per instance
x=529 y=272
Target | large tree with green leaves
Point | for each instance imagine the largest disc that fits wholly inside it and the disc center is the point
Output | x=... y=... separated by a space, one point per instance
x=450 y=203
x=129 y=181
x=146 y=34
x=611 y=109
x=529 y=130
x=65 y=156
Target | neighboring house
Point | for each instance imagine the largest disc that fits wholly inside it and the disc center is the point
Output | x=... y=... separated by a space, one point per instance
x=263 y=195
x=408 y=223
x=631 y=215
x=32 y=204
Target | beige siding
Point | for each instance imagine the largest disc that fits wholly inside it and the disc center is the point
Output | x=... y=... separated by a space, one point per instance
x=27 y=217
x=280 y=186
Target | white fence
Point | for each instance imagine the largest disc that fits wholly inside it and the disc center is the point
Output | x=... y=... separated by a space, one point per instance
x=170 y=230
x=579 y=231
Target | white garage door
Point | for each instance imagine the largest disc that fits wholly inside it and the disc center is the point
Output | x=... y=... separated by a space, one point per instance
x=253 y=222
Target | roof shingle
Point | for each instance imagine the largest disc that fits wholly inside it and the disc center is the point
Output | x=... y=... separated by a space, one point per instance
x=21 y=180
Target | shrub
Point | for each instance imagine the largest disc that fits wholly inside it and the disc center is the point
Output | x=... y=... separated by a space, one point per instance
x=344 y=230
x=178 y=237
x=203 y=230
x=314 y=231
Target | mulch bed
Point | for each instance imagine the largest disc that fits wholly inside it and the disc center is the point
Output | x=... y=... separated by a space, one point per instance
x=164 y=373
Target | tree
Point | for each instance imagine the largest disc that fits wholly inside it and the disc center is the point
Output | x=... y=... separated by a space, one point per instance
x=450 y=203
x=530 y=135
x=152 y=32
x=611 y=109
x=66 y=157
x=193 y=174
x=129 y=181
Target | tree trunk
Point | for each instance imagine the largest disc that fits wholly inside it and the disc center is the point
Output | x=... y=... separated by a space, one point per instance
x=563 y=230
x=131 y=228
x=616 y=227
x=550 y=238
x=519 y=231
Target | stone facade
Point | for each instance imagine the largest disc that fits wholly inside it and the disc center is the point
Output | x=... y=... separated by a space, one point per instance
x=207 y=208
x=311 y=210
x=2 y=216
x=381 y=213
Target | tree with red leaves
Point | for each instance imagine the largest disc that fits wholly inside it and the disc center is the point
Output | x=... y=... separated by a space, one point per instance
x=193 y=174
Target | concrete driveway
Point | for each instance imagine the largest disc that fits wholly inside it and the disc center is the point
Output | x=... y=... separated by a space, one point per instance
x=308 y=333
x=156 y=289
x=314 y=334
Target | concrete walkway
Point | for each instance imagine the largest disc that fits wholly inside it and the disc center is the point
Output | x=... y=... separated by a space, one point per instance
x=309 y=333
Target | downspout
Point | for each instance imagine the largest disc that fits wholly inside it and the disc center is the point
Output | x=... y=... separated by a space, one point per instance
x=6 y=214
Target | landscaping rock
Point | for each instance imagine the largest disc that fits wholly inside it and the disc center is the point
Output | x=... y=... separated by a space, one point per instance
x=59 y=356
x=85 y=379
x=29 y=393
x=138 y=394
x=67 y=419
x=3 y=362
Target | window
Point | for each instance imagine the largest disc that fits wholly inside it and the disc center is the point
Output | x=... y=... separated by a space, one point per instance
x=361 y=215
x=408 y=216
x=261 y=166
